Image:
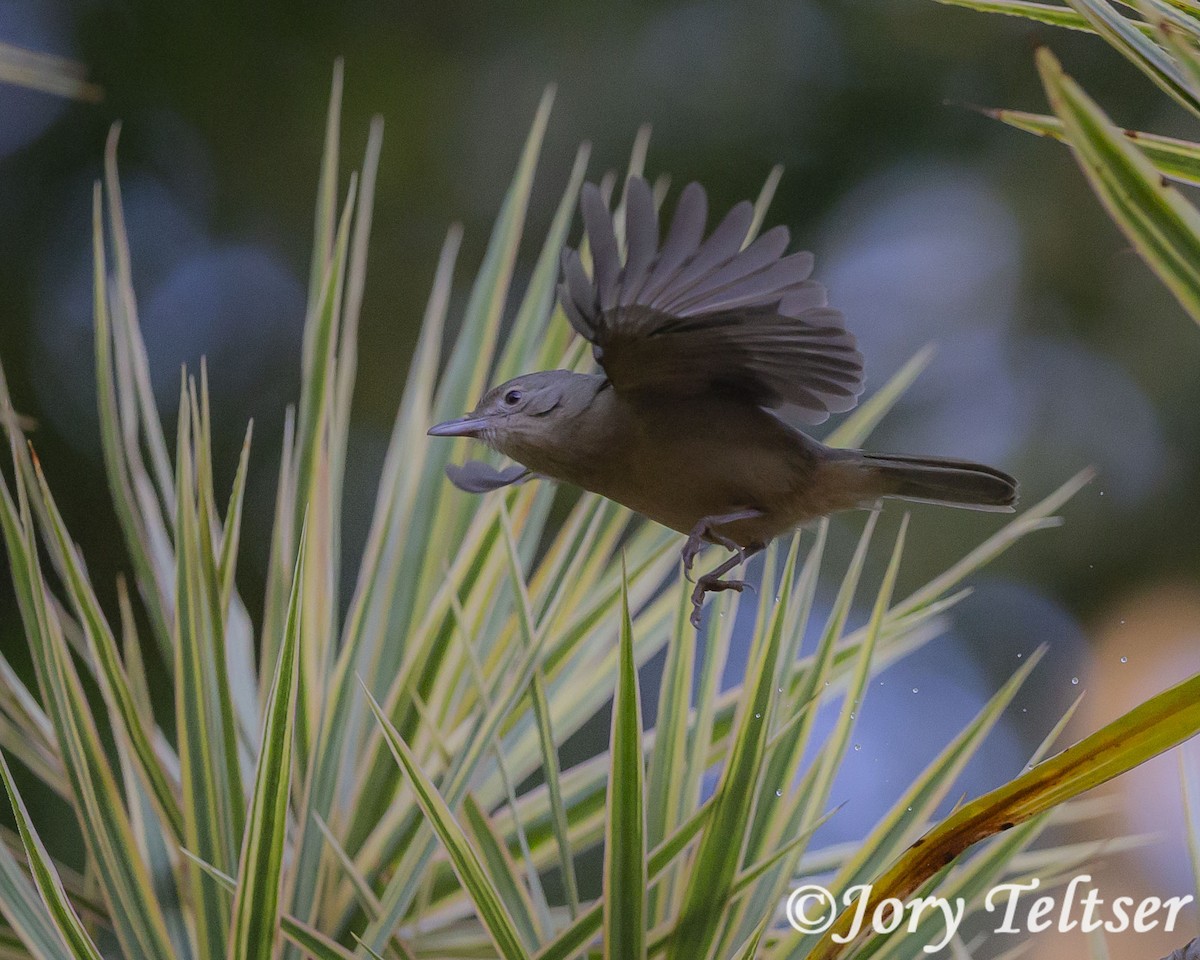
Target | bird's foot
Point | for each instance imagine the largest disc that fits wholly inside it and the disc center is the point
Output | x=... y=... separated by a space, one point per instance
x=711 y=583
x=691 y=550
x=704 y=531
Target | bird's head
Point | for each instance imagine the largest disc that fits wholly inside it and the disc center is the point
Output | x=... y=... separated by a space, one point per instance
x=517 y=415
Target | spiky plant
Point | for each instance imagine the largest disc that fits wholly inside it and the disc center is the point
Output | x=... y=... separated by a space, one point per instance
x=1130 y=171
x=349 y=785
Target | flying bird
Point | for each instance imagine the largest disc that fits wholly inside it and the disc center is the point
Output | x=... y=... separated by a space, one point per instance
x=699 y=342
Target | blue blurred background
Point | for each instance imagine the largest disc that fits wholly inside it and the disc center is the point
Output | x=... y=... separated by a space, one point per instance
x=1056 y=347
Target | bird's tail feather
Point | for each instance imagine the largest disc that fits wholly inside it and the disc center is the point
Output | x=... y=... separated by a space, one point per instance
x=955 y=483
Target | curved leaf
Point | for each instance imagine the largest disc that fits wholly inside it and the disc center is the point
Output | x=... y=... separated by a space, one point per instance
x=260 y=871
x=1144 y=732
x=1157 y=219
x=625 y=836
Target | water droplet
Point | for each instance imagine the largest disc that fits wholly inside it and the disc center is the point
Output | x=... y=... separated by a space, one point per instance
x=858 y=746
x=758 y=716
x=1122 y=623
x=1124 y=659
x=1074 y=681
x=826 y=683
x=779 y=793
x=910 y=809
x=1020 y=655
x=916 y=689
x=851 y=716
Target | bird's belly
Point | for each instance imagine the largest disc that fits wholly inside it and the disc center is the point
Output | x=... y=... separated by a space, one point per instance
x=679 y=471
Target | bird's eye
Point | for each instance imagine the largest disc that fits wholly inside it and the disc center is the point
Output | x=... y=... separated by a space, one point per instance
x=512 y=398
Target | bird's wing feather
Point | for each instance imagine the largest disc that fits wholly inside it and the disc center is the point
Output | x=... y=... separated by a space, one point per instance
x=698 y=315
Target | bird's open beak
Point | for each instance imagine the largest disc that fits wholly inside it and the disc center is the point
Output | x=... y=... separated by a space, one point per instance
x=467 y=426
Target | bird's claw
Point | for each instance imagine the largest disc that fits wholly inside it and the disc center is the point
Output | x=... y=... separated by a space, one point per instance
x=735 y=547
x=695 y=543
x=710 y=584
x=691 y=550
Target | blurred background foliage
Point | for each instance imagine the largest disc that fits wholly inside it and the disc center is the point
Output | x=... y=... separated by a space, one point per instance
x=931 y=223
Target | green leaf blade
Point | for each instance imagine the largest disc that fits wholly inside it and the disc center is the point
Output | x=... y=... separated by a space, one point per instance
x=625 y=835
x=260 y=872
x=467 y=863
x=49 y=885
x=1161 y=224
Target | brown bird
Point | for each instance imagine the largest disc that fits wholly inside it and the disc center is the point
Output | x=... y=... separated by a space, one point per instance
x=700 y=340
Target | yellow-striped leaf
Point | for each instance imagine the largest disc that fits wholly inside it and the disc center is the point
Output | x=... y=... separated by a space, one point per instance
x=30 y=925
x=625 y=835
x=1162 y=225
x=1174 y=158
x=467 y=864
x=260 y=871
x=1157 y=725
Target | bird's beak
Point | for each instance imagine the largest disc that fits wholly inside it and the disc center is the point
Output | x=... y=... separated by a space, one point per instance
x=467 y=426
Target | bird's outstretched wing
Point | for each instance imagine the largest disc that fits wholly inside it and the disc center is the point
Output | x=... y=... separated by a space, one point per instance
x=475 y=476
x=697 y=315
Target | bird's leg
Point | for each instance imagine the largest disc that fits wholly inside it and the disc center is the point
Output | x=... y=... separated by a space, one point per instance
x=706 y=529
x=711 y=582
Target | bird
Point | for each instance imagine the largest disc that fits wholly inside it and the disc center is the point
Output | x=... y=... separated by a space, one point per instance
x=704 y=344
